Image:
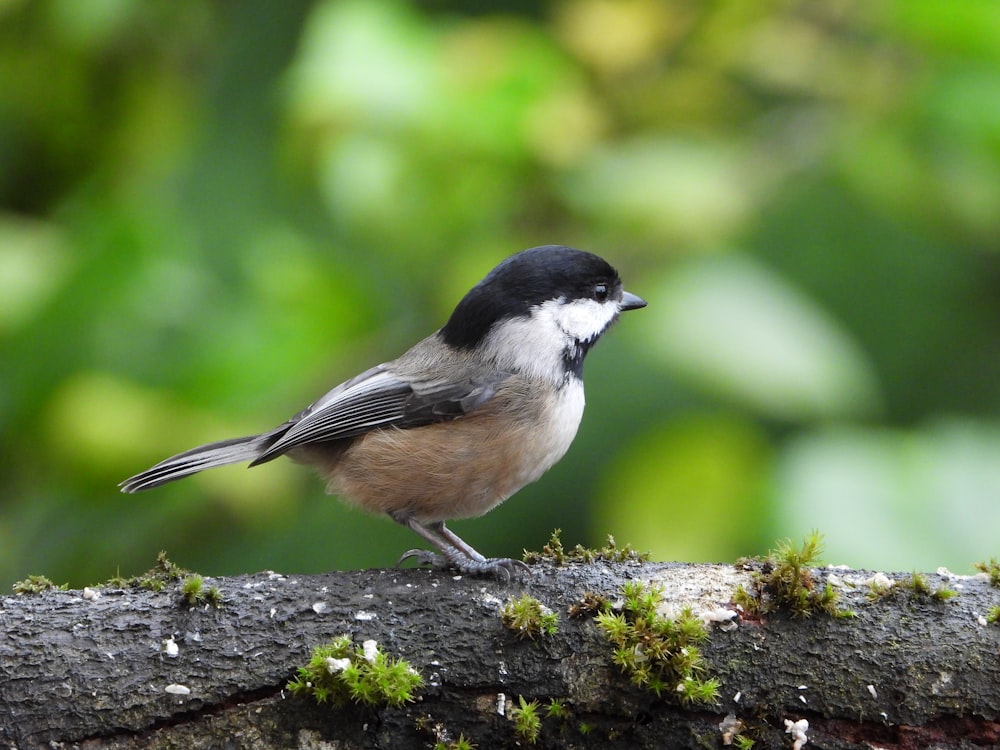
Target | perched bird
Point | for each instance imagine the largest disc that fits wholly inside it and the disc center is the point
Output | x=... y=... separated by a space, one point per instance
x=464 y=419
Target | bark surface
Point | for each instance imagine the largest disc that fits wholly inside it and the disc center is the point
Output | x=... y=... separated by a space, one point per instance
x=906 y=672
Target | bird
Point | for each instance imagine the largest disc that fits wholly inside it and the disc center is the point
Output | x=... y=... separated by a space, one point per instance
x=462 y=420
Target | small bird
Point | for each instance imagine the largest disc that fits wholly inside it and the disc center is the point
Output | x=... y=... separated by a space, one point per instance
x=461 y=421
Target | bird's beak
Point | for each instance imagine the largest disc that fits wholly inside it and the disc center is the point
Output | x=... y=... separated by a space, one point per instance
x=631 y=301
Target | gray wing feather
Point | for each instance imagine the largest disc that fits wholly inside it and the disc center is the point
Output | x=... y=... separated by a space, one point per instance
x=375 y=398
x=380 y=398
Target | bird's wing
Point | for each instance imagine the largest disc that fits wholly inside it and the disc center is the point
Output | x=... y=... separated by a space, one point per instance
x=381 y=398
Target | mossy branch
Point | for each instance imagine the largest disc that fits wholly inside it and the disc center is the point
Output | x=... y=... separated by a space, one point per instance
x=642 y=651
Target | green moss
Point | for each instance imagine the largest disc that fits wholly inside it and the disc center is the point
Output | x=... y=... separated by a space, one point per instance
x=658 y=653
x=557 y=709
x=527 y=722
x=785 y=582
x=441 y=736
x=554 y=552
x=919 y=586
x=529 y=618
x=992 y=569
x=460 y=744
x=749 y=603
x=167 y=573
x=878 y=590
x=191 y=588
x=993 y=615
x=36 y=584
x=157 y=578
x=338 y=672
x=194 y=592
x=916 y=583
x=589 y=605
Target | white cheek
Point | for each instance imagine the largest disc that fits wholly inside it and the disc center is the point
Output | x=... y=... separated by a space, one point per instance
x=581 y=319
x=536 y=345
x=523 y=345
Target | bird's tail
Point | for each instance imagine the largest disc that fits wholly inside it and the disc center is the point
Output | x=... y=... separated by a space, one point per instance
x=233 y=451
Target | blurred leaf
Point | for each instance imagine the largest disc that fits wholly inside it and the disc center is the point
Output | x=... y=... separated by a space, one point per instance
x=944 y=28
x=496 y=94
x=729 y=326
x=883 y=165
x=494 y=75
x=100 y=426
x=104 y=424
x=682 y=190
x=616 y=36
x=90 y=24
x=690 y=489
x=893 y=499
x=362 y=61
x=33 y=262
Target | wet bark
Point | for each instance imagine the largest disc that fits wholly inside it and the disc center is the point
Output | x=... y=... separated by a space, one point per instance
x=905 y=672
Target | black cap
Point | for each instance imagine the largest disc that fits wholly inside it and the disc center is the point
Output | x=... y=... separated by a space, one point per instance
x=523 y=281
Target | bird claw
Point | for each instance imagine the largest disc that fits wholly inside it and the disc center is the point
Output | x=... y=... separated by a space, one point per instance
x=501 y=567
x=423 y=557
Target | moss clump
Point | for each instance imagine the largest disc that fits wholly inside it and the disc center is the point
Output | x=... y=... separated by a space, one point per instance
x=441 y=736
x=879 y=587
x=194 y=592
x=527 y=721
x=557 y=709
x=919 y=587
x=460 y=744
x=555 y=553
x=993 y=615
x=339 y=672
x=529 y=618
x=167 y=573
x=991 y=569
x=37 y=584
x=659 y=653
x=785 y=582
x=157 y=578
x=589 y=604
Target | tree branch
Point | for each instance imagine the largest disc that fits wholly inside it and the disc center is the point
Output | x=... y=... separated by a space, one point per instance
x=907 y=671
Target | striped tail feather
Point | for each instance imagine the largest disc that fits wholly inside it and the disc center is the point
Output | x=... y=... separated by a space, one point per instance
x=222 y=453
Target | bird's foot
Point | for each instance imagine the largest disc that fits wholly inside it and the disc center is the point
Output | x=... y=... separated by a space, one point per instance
x=501 y=567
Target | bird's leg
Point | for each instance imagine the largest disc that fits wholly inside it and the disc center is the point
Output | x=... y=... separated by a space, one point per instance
x=450 y=552
x=477 y=563
x=456 y=541
x=455 y=553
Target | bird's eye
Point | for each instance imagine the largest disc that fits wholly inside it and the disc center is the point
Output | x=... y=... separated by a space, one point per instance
x=601 y=292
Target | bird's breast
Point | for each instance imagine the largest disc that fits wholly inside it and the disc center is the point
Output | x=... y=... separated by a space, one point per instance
x=463 y=467
x=552 y=434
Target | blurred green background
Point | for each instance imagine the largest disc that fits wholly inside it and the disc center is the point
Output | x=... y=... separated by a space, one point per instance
x=210 y=213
